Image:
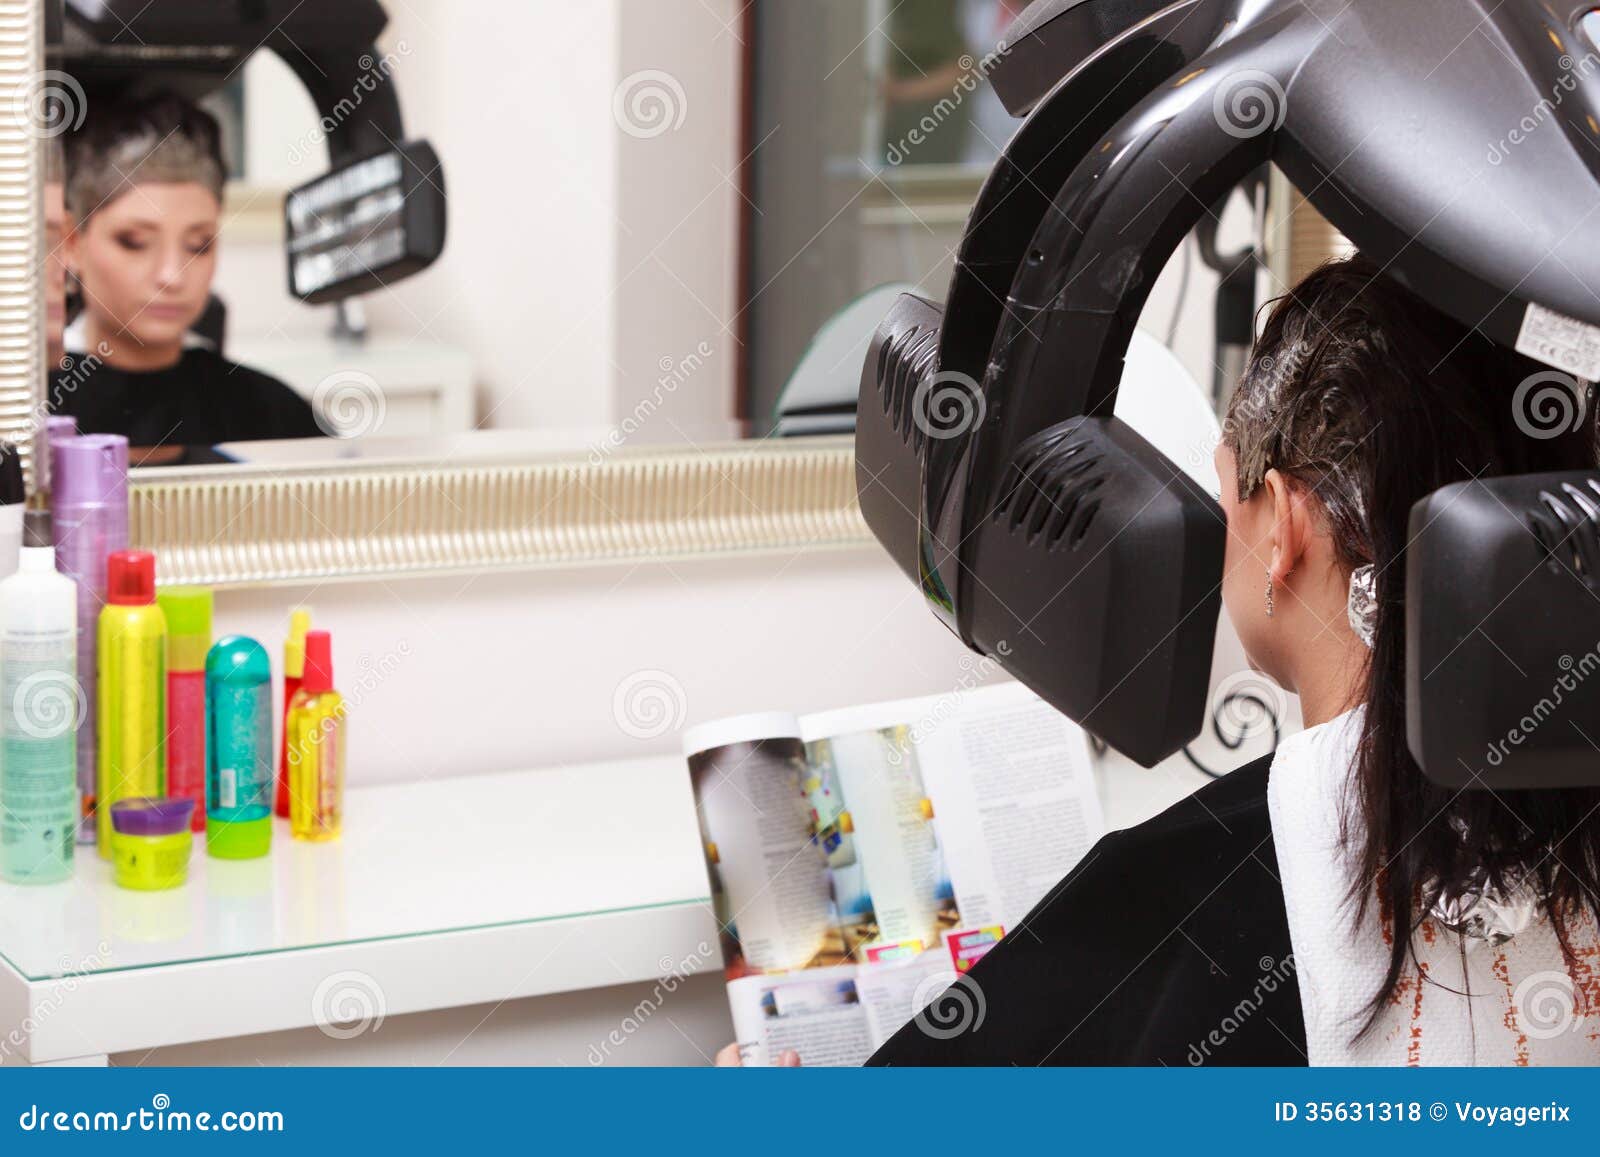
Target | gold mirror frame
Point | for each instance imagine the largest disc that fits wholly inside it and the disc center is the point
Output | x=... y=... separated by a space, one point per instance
x=254 y=525
x=248 y=525
x=22 y=84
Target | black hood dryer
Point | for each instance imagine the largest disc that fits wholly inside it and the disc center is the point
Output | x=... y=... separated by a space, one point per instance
x=1457 y=144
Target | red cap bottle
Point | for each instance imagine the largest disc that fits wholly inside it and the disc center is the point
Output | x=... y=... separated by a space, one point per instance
x=131 y=578
x=319 y=663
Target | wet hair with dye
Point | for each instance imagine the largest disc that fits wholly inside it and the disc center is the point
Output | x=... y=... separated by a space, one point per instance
x=1370 y=399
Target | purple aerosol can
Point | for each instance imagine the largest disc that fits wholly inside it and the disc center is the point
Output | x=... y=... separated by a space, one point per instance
x=57 y=428
x=60 y=426
x=89 y=501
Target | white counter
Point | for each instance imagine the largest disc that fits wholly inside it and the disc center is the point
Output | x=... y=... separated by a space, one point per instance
x=472 y=890
x=442 y=894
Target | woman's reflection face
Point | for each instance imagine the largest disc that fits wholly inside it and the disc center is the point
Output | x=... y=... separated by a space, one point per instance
x=145 y=261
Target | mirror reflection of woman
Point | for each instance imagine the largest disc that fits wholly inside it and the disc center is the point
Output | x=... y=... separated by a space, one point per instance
x=144 y=189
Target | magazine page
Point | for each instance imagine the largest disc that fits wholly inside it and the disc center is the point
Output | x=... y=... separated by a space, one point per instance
x=817 y=1012
x=768 y=873
x=836 y=1016
x=860 y=860
x=967 y=808
x=1014 y=792
x=890 y=885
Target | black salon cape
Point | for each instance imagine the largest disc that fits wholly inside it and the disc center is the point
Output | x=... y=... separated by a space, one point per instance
x=202 y=400
x=1167 y=945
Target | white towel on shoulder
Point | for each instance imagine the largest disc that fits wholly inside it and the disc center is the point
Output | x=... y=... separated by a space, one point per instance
x=1525 y=1008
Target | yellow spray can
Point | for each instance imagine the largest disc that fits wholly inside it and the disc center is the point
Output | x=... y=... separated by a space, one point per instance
x=131 y=689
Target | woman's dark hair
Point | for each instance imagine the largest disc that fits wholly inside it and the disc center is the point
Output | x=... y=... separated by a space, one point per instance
x=156 y=138
x=1372 y=399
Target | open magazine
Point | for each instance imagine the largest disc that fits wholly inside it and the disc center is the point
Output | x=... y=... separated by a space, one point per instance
x=862 y=860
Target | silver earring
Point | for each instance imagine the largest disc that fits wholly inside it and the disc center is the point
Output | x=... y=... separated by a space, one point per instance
x=1270 y=605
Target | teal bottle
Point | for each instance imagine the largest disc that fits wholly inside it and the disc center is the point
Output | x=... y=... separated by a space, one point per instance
x=240 y=760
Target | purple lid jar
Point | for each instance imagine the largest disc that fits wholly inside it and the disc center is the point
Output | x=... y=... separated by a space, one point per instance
x=142 y=816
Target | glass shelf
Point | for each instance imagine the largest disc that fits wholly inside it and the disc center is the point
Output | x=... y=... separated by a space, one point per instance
x=447 y=855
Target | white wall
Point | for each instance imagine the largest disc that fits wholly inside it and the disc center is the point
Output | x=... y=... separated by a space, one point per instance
x=678 y=208
x=520 y=670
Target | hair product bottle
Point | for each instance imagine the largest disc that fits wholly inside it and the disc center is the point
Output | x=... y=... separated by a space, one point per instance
x=89 y=497
x=131 y=703
x=40 y=701
x=294 y=666
x=239 y=750
x=12 y=496
x=316 y=747
x=151 y=841
x=57 y=428
x=188 y=614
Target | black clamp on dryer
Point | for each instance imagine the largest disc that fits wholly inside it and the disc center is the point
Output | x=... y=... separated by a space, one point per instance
x=1050 y=535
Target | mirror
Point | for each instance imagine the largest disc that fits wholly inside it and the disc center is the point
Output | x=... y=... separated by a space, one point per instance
x=290 y=234
x=285 y=233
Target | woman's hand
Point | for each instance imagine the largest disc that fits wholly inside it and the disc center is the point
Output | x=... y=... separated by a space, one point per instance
x=728 y=1058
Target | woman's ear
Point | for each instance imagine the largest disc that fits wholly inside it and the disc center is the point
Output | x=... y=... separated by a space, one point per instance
x=1291 y=525
x=69 y=243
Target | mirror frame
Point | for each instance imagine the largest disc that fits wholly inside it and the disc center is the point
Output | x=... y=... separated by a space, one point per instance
x=254 y=525
x=257 y=525
x=22 y=154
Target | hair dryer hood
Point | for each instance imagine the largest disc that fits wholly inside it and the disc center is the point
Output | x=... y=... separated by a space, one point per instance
x=1461 y=142
x=1456 y=136
x=1457 y=144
